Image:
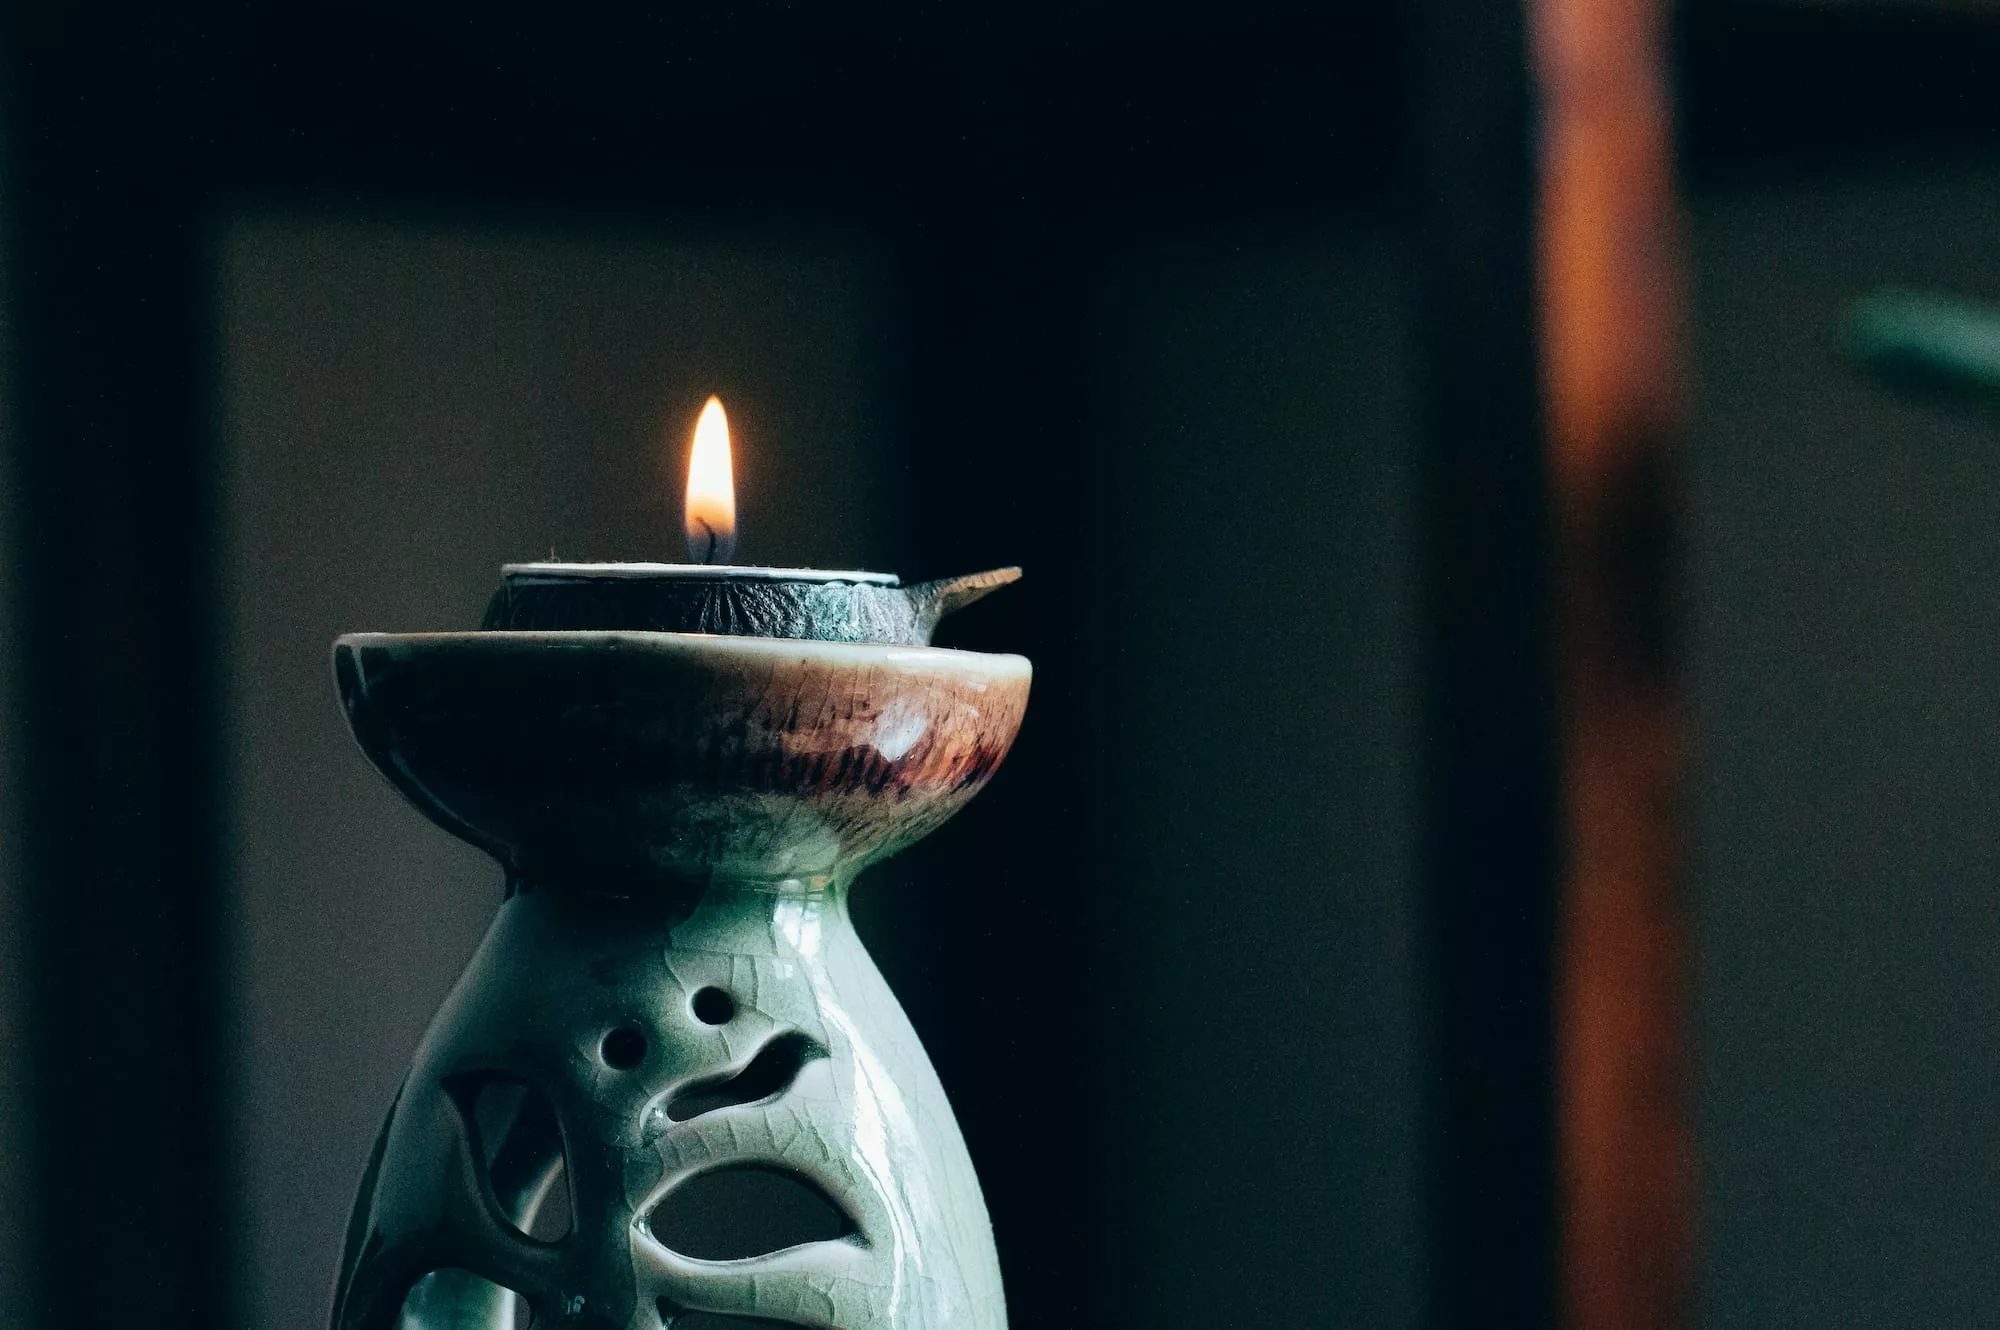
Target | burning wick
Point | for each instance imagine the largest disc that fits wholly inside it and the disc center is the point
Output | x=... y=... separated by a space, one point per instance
x=711 y=489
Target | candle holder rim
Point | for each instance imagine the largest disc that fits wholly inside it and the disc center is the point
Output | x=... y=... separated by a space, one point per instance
x=690 y=572
x=633 y=756
x=998 y=664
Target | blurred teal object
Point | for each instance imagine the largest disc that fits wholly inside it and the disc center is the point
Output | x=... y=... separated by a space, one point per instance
x=1928 y=345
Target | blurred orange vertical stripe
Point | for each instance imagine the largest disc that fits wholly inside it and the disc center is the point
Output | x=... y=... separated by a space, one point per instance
x=1610 y=238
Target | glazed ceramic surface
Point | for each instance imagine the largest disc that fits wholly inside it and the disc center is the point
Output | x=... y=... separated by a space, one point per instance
x=672 y=986
x=797 y=603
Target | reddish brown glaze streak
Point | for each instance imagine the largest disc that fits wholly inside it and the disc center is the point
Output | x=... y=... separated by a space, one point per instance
x=610 y=759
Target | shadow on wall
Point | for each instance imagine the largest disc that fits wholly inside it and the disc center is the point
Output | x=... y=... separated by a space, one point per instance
x=1256 y=696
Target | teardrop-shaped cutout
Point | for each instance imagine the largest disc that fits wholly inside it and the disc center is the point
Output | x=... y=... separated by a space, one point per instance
x=456 y=1299
x=771 y=1072
x=730 y=1213
x=517 y=1139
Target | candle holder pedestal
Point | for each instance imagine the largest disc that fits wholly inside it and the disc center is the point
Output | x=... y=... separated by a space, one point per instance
x=672 y=988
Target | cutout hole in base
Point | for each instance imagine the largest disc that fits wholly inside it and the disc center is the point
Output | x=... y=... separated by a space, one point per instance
x=623 y=1049
x=713 y=1006
x=515 y=1134
x=771 y=1072
x=451 y=1299
x=548 y=1218
x=727 y=1214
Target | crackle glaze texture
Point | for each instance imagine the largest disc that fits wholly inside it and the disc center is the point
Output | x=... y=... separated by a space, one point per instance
x=680 y=818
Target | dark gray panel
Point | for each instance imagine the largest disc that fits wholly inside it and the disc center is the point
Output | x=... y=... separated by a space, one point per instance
x=1256 y=693
x=1846 y=666
x=14 y=1090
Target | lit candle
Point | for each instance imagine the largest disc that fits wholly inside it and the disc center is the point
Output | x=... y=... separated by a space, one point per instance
x=711 y=595
x=711 y=489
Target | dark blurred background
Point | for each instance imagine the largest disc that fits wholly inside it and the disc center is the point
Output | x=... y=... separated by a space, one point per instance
x=1507 y=824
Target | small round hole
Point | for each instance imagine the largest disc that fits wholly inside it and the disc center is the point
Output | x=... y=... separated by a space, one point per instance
x=712 y=1006
x=624 y=1048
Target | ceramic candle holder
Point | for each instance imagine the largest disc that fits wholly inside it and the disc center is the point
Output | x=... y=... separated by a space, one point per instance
x=672 y=989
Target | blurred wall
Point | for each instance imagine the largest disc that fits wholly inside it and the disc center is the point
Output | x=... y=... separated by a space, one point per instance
x=408 y=404
x=1845 y=608
x=1256 y=751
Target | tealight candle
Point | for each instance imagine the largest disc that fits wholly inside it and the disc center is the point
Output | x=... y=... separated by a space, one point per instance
x=737 y=600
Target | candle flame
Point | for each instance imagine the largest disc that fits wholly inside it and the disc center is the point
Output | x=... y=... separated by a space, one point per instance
x=711 y=489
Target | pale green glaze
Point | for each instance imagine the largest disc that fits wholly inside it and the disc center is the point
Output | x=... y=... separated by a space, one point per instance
x=854 y=1108
x=866 y=1121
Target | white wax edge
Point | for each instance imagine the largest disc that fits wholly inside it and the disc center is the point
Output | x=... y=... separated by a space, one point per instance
x=694 y=571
